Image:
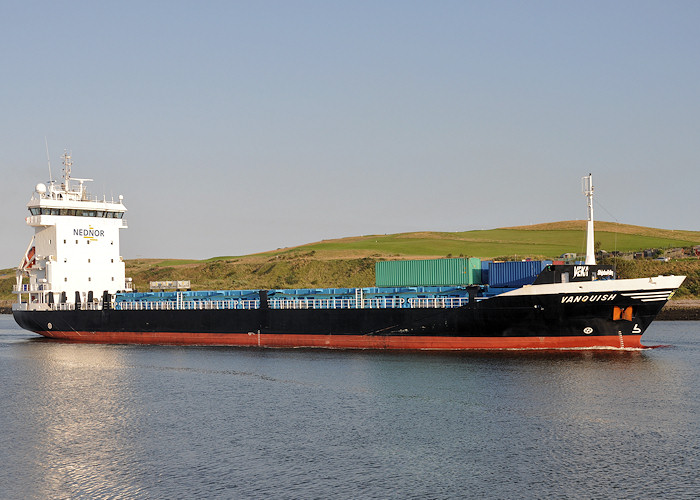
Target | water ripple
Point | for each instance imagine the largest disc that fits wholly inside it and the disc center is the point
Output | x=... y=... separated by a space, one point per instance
x=94 y=421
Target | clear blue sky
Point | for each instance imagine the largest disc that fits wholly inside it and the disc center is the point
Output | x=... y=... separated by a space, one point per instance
x=235 y=127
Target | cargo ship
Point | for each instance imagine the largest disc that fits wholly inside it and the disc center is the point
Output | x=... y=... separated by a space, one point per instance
x=71 y=285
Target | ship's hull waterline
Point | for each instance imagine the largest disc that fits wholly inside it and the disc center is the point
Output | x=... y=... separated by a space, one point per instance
x=383 y=342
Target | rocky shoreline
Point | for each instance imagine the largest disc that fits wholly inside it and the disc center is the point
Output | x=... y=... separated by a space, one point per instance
x=680 y=310
x=674 y=310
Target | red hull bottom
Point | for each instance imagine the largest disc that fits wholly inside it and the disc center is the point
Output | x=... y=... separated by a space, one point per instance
x=352 y=341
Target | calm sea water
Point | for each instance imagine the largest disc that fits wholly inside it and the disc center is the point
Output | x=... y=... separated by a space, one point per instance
x=100 y=421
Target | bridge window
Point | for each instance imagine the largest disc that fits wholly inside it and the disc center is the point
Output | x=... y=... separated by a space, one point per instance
x=75 y=212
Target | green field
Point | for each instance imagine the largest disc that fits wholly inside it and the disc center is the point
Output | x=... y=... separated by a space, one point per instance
x=495 y=242
x=544 y=240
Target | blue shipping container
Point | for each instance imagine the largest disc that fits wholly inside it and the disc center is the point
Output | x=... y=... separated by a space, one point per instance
x=515 y=274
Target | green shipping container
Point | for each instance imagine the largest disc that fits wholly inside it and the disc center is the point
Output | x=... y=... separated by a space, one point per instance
x=432 y=272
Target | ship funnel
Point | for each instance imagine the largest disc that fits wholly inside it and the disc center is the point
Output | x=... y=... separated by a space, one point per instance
x=587 y=185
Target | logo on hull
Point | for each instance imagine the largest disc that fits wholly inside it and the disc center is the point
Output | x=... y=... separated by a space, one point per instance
x=605 y=297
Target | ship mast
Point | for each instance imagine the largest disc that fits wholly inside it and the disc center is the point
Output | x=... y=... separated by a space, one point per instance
x=67 y=164
x=590 y=237
x=81 y=193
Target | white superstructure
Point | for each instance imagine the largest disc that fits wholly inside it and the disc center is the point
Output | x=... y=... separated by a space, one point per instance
x=73 y=256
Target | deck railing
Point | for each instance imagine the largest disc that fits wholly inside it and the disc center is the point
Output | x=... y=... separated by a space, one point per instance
x=187 y=305
x=439 y=302
x=31 y=287
x=349 y=303
x=367 y=303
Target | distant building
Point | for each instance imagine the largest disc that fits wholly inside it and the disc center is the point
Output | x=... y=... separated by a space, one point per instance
x=675 y=253
x=568 y=258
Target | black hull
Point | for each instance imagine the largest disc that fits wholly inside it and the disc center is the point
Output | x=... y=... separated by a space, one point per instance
x=536 y=317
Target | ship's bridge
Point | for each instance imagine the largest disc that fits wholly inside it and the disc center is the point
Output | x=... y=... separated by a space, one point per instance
x=70 y=199
x=43 y=214
x=73 y=256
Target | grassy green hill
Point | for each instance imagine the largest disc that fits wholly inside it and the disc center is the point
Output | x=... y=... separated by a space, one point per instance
x=541 y=240
x=349 y=262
